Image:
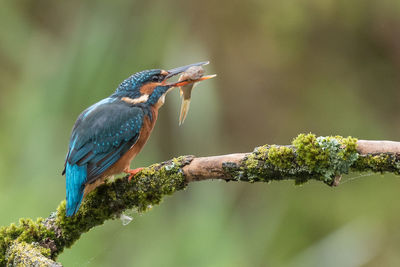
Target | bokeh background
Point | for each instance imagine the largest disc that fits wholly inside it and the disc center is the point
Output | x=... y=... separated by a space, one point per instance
x=284 y=67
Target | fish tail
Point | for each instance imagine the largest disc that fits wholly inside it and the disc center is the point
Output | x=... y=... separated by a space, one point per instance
x=75 y=184
x=184 y=110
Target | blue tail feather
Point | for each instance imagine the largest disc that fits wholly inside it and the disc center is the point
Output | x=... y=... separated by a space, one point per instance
x=75 y=184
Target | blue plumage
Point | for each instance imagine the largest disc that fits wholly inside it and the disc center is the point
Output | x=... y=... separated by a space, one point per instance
x=75 y=186
x=135 y=81
x=104 y=132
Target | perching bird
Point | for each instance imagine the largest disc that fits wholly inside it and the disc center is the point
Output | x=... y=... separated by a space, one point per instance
x=110 y=133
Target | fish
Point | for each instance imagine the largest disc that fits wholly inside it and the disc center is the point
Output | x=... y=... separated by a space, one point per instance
x=194 y=73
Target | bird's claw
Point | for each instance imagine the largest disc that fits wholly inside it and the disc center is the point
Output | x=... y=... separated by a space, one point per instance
x=133 y=172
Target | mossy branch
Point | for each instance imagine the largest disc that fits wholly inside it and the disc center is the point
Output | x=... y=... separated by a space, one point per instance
x=23 y=254
x=308 y=158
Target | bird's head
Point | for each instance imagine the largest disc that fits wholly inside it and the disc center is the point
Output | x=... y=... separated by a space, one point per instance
x=151 y=86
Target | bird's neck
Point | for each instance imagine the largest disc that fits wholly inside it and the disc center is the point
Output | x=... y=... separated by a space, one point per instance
x=160 y=102
x=126 y=94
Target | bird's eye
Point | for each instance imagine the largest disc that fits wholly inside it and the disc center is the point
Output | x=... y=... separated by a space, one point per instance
x=156 y=78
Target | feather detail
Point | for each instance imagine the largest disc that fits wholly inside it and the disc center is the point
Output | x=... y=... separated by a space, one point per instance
x=75 y=183
x=101 y=136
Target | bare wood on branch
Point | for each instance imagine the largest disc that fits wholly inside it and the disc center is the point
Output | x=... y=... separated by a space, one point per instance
x=307 y=158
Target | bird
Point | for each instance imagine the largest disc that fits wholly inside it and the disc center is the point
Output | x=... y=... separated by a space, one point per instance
x=108 y=135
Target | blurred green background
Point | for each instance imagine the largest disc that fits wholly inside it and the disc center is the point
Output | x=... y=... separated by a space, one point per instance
x=284 y=67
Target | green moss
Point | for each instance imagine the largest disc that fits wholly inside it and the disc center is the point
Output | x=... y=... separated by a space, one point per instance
x=328 y=156
x=309 y=157
x=27 y=231
x=109 y=200
x=252 y=161
x=281 y=156
x=387 y=162
x=308 y=153
x=268 y=163
x=24 y=254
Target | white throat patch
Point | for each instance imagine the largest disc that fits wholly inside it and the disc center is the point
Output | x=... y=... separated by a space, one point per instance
x=160 y=101
x=141 y=99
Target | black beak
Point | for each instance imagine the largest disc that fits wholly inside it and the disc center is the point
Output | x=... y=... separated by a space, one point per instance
x=178 y=70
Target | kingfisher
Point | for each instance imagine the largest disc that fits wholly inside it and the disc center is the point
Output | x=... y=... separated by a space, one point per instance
x=108 y=135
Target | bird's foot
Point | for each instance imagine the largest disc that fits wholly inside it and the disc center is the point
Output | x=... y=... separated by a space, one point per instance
x=133 y=172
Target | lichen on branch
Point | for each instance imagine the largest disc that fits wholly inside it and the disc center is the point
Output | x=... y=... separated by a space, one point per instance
x=109 y=200
x=24 y=254
x=307 y=158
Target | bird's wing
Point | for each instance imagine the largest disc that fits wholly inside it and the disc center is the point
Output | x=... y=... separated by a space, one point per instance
x=102 y=134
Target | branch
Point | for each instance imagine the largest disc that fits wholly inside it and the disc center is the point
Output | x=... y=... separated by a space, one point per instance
x=23 y=254
x=308 y=158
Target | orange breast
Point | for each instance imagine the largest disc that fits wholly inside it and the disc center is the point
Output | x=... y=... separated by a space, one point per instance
x=124 y=162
